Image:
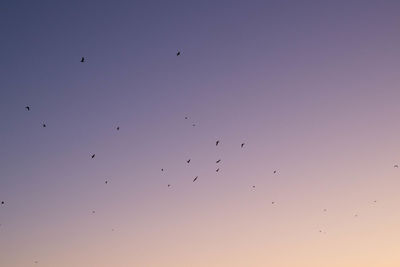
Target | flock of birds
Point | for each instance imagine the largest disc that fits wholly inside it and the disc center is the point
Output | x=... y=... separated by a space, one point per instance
x=217 y=142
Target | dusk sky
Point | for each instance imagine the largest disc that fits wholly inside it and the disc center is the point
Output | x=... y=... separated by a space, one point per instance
x=310 y=87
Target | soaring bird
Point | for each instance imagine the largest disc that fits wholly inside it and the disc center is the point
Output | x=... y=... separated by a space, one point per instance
x=2 y=203
x=162 y=170
x=28 y=108
x=178 y=53
x=272 y=202
x=106 y=182
x=93 y=156
x=254 y=186
x=218 y=161
x=44 y=125
x=195 y=178
x=242 y=145
x=193 y=124
x=216 y=143
x=217 y=170
x=117 y=128
x=82 y=59
x=188 y=161
x=275 y=171
x=186 y=118
x=169 y=185
x=396 y=166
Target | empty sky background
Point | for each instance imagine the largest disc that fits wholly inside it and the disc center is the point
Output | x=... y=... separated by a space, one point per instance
x=311 y=87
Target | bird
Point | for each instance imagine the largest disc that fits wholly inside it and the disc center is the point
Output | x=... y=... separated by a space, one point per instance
x=106 y=182
x=2 y=203
x=217 y=170
x=254 y=186
x=82 y=59
x=275 y=171
x=186 y=118
x=44 y=125
x=242 y=145
x=324 y=210
x=272 y=202
x=162 y=170
x=216 y=143
x=193 y=124
x=396 y=166
x=93 y=156
x=28 y=108
x=188 y=161
x=218 y=161
x=117 y=128
x=93 y=211
x=195 y=178
x=178 y=53
x=169 y=185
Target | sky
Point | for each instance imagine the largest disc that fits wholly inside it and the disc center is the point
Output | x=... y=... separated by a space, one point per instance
x=310 y=87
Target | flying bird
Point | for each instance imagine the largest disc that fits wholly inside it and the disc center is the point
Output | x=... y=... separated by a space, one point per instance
x=188 y=161
x=218 y=161
x=275 y=171
x=193 y=124
x=186 y=118
x=93 y=211
x=106 y=182
x=254 y=186
x=28 y=108
x=117 y=128
x=169 y=185
x=162 y=170
x=272 y=202
x=396 y=166
x=44 y=125
x=93 y=156
x=216 y=143
x=195 y=178
x=242 y=145
x=2 y=203
x=82 y=59
x=178 y=53
x=217 y=170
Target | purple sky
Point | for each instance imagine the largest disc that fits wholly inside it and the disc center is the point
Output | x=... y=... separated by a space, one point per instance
x=311 y=87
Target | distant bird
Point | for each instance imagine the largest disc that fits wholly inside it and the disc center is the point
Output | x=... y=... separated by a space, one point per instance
x=254 y=186
x=28 y=108
x=272 y=202
x=178 y=53
x=82 y=59
x=374 y=201
x=217 y=170
x=242 y=145
x=186 y=118
x=218 y=161
x=93 y=211
x=274 y=171
x=188 y=161
x=216 y=143
x=106 y=182
x=94 y=155
x=2 y=203
x=194 y=180
x=117 y=128
x=324 y=210
x=396 y=166
x=44 y=125
x=162 y=170
x=193 y=124
x=169 y=185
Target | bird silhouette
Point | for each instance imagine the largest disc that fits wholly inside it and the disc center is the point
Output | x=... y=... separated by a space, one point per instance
x=94 y=155
x=396 y=166
x=272 y=202
x=2 y=203
x=44 y=125
x=186 y=118
x=106 y=182
x=169 y=185
x=217 y=170
x=242 y=145
x=216 y=143
x=218 y=161
x=195 y=178
x=254 y=186
x=178 y=53
x=188 y=161
x=82 y=59
x=193 y=124
x=28 y=108
x=117 y=128
x=274 y=171
x=93 y=211
x=162 y=170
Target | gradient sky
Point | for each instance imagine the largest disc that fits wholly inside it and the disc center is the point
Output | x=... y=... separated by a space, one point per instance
x=311 y=87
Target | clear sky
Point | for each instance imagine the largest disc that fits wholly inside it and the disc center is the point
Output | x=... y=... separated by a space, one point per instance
x=310 y=87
